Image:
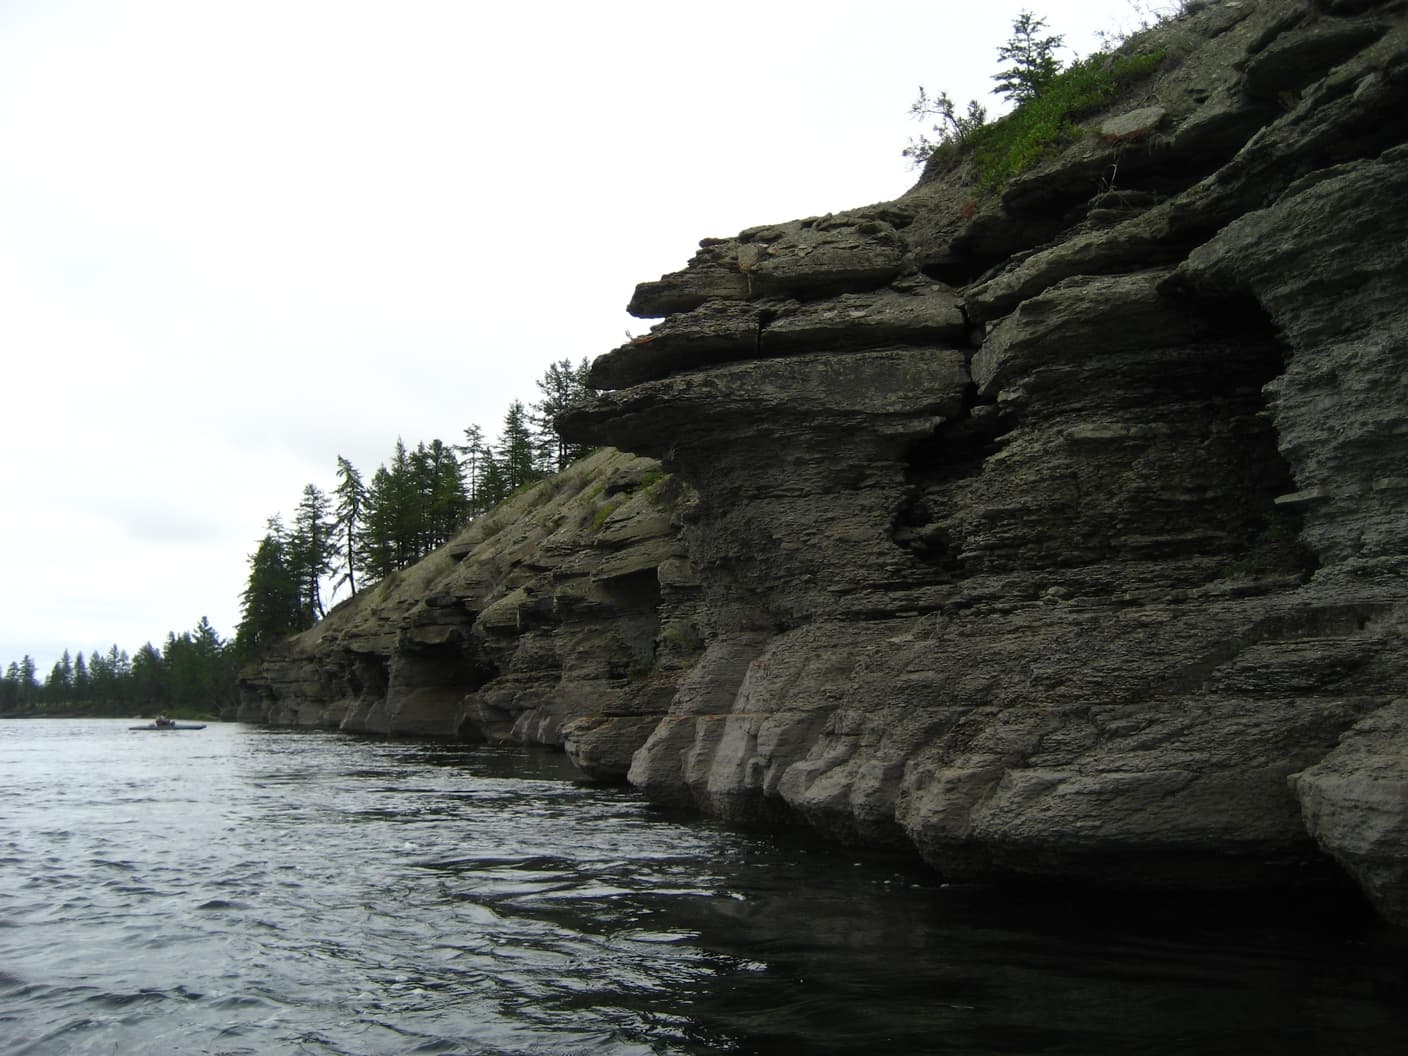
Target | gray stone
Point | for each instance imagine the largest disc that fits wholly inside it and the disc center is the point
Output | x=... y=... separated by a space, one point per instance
x=713 y=274
x=925 y=313
x=715 y=331
x=1355 y=802
x=1135 y=124
x=1299 y=57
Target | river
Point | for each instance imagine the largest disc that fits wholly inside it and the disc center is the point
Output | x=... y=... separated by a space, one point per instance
x=241 y=890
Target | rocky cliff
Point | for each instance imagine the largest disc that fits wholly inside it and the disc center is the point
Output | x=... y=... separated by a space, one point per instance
x=1053 y=526
x=569 y=607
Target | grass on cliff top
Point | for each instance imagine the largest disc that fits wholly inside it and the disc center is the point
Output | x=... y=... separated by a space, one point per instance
x=1042 y=125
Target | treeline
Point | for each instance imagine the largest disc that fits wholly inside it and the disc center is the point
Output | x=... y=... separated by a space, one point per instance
x=193 y=670
x=360 y=532
x=365 y=529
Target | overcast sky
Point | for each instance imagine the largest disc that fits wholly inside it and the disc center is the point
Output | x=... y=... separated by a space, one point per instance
x=239 y=239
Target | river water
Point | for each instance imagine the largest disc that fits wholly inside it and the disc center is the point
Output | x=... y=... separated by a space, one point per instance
x=240 y=890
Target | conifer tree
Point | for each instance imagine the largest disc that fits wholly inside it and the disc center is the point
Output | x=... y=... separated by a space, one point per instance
x=29 y=680
x=421 y=496
x=214 y=660
x=1033 y=58
x=475 y=455
x=403 y=508
x=517 y=452
x=351 y=500
x=377 y=548
x=10 y=688
x=59 y=685
x=149 y=677
x=493 y=482
x=198 y=674
x=310 y=552
x=99 y=679
x=82 y=682
x=447 y=508
x=270 y=604
x=563 y=387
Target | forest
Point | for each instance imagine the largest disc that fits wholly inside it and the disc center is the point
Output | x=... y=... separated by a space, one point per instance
x=340 y=540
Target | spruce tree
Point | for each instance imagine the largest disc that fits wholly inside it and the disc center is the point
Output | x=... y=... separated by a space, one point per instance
x=310 y=552
x=351 y=499
x=149 y=683
x=448 y=506
x=475 y=455
x=493 y=482
x=563 y=387
x=404 y=508
x=29 y=681
x=270 y=604
x=99 y=678
x=10 y=688
x=376 y=550
x=1033 y=58
x=82 y=681
x=518 y=453
x=198 y=674
x=58 y=688
x=422 y=493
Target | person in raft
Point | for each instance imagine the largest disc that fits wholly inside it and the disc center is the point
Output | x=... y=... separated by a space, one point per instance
x=162 y=720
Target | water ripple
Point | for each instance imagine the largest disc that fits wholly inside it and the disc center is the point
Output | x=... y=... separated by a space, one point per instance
x=263 y=892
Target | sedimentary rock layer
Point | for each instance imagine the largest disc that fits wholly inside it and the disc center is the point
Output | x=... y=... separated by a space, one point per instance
x=564 y=615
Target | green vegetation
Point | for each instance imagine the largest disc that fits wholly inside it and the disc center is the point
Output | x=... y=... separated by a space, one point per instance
x=649 y=479
x=415 y=503
x=1049 y=101
x=1033 y=58
x=1034 y=67
x=651 y=483
x=952 y=128
x=604 y=511
x=1047 y=121
x=192 y=675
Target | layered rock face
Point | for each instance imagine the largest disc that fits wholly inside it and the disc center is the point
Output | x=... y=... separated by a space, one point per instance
x=564 y=616
x=1064 y=530
x=1057 y=530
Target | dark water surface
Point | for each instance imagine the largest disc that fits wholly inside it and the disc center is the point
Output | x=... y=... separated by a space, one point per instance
x=248 y=891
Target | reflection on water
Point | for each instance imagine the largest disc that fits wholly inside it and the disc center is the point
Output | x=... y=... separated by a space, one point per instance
x=247 y=891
